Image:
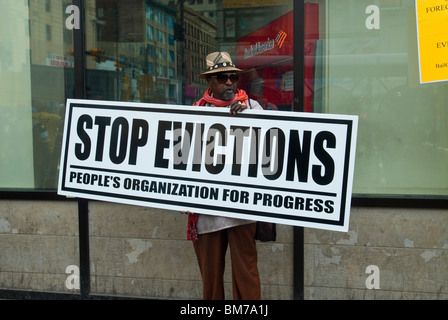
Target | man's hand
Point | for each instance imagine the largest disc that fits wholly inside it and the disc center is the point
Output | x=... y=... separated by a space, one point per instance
x=236 y=107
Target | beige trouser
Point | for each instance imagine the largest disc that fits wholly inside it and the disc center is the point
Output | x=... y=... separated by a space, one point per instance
x=210 y=251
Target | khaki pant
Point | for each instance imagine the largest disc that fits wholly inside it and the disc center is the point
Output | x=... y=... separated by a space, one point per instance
x=210 y=251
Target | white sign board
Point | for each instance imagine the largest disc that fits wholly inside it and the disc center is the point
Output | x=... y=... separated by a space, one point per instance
x=283 y=167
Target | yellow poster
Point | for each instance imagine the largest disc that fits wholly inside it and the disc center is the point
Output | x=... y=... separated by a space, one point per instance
x=432 y=30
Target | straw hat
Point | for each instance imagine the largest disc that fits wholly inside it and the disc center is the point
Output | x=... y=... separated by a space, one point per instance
x=219 y=62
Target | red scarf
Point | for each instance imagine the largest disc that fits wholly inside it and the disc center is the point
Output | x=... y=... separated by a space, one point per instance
x=208 y=99
x=192 y=233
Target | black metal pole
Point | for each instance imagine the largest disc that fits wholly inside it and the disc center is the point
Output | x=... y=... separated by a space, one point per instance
x=84 y=250
x=299 y=55
x=83 y=207
x=298 y=105
x=79 y=56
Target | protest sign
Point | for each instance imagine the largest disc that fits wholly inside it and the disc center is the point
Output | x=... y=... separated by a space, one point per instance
x=284 y=167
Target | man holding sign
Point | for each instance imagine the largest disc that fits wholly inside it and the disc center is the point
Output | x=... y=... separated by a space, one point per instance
x=276 y=167
x=212 y=234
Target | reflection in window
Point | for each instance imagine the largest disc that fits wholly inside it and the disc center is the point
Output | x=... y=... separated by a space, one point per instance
x=402 y=137
x=149 y=32
x=36 y=73
x=136 y=50
x=177 y=37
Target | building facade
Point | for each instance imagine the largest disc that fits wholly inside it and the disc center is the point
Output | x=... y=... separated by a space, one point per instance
x=360 y=58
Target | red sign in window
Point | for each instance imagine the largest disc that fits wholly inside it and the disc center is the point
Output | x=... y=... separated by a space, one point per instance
x=266 y=55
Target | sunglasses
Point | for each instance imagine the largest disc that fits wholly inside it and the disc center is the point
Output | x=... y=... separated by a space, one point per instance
x=223 y=78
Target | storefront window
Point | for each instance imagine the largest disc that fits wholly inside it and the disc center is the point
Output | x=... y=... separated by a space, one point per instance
x=135 y=50
x=36 y=69
x=366 y=63
x=154 y=51
x=360 y=58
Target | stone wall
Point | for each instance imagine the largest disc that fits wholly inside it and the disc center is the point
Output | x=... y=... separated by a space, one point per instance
x=134 y=252
x=38 y=240
x=409 y=247
x=142 y=252
x=138 y=251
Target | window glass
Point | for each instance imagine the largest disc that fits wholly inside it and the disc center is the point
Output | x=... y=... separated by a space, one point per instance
x=364 y=61
x=360 y=58
x=36 y=76
x=175 y=37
